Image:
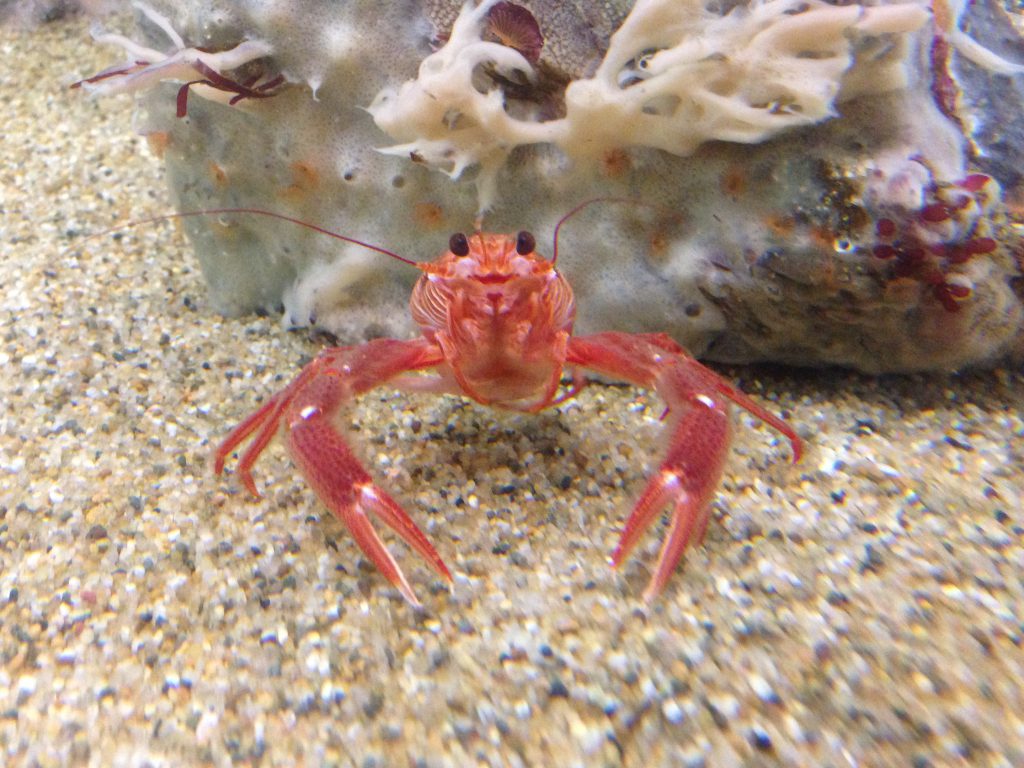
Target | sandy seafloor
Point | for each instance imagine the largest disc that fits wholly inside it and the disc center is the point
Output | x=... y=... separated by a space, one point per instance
x=861 y=608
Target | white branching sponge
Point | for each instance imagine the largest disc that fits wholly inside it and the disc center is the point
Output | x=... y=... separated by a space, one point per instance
x=675 y=75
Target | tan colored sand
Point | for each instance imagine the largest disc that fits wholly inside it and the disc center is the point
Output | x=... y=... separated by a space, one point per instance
x=862 y=608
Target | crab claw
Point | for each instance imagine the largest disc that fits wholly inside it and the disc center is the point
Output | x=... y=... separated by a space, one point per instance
x=307 y=409
x=347 y=490
x=686 y=488
x=697 y=425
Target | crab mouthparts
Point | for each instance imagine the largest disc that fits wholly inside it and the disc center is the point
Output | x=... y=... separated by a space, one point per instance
x=492 y=279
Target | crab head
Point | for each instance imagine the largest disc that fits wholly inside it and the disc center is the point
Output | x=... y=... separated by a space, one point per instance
x=501 y=314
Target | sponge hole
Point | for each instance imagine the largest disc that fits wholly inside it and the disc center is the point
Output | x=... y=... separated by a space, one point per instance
x=722 y=87
x=663 y=106
x=636 y=69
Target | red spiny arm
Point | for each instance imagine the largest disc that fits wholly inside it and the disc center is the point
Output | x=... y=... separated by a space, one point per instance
x=265 y=422
x=307 y=409
x=698 y=428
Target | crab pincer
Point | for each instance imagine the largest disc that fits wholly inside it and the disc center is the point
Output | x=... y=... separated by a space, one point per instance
x=698 y=425
x=307 y=412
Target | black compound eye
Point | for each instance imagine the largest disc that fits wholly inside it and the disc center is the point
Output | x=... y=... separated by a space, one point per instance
x=459 y=244
x=525 y=243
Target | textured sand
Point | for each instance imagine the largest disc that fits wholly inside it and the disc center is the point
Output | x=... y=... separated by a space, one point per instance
x=861 y=608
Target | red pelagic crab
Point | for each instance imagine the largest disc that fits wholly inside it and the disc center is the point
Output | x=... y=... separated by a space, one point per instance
x=496 y=319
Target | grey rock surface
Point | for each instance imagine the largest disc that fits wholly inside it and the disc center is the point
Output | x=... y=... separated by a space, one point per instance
x=850 y=240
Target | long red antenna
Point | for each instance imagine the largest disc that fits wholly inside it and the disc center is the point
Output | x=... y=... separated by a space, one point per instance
x=580 y=207
x=255 y=212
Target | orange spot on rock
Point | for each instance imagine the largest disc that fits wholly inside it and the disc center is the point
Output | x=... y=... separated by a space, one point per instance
x=823 y=236
x=733 y=182
x=305 y=178
x=658 y=245
x=616 y=162
x=218 y=174
x=305 y=175
x=158 y=142
x=428 y=215
x=780 y=226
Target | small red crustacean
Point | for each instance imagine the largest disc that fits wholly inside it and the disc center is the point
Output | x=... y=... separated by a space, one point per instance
x=497 y=326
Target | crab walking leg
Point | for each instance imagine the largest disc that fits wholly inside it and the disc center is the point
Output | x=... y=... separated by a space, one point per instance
x=265 y=422
x=307 y=410
x=697 y=427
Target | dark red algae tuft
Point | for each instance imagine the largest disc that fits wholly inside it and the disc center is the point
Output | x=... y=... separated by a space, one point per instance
x=926 y=262
x=936 y=212
x=950 y=295
x=974 y=182
x=885 y=227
